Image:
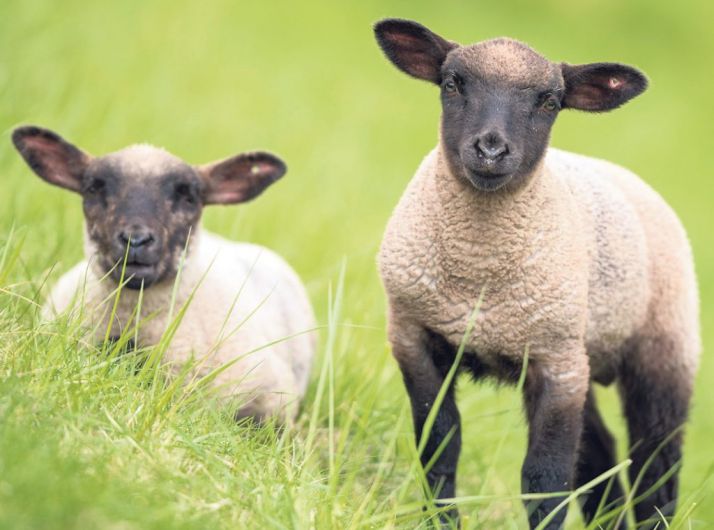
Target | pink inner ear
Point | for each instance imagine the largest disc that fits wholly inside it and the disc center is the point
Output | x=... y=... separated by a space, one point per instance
x=59 y=162
x=240 y=178
x=404 y=40
x=615 y=82
x=590 y=93
x=420 y=67
x=42 y=144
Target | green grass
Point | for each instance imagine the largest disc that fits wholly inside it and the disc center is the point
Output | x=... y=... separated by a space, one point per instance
x=85 y=443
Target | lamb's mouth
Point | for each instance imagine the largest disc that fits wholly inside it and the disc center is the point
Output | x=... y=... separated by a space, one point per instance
x=487 y=180
x=136 y=274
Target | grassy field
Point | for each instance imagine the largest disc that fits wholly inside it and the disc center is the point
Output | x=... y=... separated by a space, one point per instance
x=85 y=443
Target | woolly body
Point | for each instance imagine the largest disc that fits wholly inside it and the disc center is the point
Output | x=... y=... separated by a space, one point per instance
x=585 y=255
x=248 y=310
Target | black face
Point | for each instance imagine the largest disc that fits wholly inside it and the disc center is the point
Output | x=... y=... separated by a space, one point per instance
x=140 y=224
x=142 y=204
x=494 y=133
x=500 y=98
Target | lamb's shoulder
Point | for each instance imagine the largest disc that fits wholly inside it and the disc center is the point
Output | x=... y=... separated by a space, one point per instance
x=632 y=204
x=611 y=224
x=407 y=257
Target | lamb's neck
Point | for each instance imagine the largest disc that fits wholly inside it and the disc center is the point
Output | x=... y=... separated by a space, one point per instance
x=490 y=230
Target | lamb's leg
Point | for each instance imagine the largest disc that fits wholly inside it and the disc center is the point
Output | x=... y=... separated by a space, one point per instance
x=424 y=360
x=655 y=391
x=268 y=387
x=596 y=456
x=554 y=399
x=128 y=347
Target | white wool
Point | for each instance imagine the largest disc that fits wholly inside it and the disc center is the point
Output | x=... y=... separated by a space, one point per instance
x=249 y=309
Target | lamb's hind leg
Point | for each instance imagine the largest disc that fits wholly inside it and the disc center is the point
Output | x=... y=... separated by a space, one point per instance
x=656 y=386
x=596 y=456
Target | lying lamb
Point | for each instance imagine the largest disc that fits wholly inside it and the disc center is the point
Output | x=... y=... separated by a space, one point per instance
x=142 y=210
x=581 y=264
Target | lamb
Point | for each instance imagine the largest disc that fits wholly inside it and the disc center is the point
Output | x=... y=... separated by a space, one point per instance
x=586 y=274
x=245 y=307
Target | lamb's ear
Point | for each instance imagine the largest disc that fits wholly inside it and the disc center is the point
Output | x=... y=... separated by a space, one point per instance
x=51 y=157
x=413 y=48
x=240 y=178
x=599 y=87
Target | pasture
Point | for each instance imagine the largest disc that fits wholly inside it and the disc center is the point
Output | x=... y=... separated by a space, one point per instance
x=87 y=442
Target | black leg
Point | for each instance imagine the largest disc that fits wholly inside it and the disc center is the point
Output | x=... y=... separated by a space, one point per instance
x=554 y=406
x=596 y=456
x=128 y=347
x=656 y=403
x=424 y=359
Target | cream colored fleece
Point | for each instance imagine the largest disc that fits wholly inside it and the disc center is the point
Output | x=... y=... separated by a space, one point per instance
x=582 y=259
x=248 y=305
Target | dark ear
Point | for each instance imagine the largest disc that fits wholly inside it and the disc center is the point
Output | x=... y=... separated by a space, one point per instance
x=51 y=157
x=413 y=48
x=240 y=178
x=599 y=87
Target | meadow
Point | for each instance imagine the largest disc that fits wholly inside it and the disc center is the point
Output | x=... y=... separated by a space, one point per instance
x=86 y=442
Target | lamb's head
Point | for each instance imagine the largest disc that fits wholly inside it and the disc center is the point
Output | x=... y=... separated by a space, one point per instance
x=141 y=203
x=500 y=98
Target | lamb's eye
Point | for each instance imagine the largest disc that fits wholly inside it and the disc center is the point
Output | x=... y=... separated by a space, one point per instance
x=550 y=104
x=185 y=192
x=450 y=86
x=95 y=187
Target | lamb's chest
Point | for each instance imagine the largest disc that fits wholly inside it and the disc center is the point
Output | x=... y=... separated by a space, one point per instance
x=510 y=316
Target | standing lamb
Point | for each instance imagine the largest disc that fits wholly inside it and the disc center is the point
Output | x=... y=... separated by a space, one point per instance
x=246 y=308
x=581 y=264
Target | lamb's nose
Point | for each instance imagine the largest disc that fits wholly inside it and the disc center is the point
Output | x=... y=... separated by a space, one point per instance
x=491 y=147
x=136 y=238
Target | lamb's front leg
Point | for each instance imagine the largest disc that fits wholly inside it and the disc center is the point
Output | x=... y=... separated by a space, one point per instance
x=554 y=393
x=424 y=359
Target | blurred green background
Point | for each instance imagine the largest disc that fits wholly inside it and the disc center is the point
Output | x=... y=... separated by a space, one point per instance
x=306 y=80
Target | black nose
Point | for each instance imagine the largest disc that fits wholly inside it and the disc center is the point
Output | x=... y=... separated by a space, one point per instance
x=491 y=147
x=136 y=238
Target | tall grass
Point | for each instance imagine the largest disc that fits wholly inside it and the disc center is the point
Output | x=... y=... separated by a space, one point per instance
x=94 y=436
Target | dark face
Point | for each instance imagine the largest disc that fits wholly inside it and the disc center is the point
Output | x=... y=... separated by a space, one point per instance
x=497 y=117
x=500 y=98
x=142 y=204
